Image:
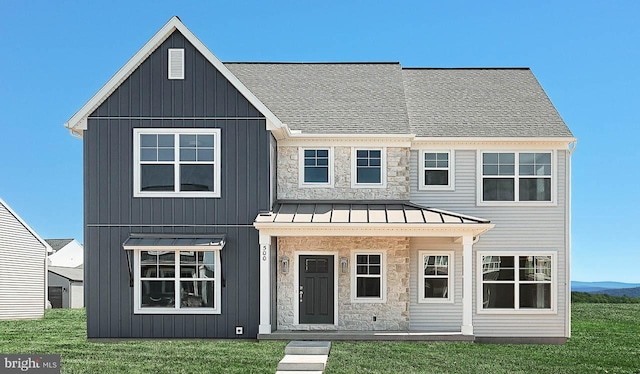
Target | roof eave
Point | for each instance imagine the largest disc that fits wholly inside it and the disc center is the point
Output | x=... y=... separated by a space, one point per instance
x=372 y=229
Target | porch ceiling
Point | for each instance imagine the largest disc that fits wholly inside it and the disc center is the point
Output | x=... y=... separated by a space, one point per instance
x=366 y=215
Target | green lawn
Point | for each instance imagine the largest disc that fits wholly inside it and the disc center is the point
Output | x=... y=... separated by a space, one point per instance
x=606 y=339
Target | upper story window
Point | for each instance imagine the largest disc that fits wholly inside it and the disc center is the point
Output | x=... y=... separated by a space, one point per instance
x=368 y=168
x=517 y=282
x=436 y=170
x=316 y=167
x=368 y=277
x=517 y=177
x=176 y=162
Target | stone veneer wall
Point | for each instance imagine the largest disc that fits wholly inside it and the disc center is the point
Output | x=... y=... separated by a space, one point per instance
x=391 y=316
x=397 y=177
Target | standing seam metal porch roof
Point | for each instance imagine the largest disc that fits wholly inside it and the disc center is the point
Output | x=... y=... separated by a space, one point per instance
x=381 y=212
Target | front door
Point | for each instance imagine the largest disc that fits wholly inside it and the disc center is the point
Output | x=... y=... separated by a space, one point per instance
x=315 y=291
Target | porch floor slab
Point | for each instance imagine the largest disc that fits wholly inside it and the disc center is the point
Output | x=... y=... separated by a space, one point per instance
x=341 y=335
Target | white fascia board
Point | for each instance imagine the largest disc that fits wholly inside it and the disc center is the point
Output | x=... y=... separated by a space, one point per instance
x=560 y=143
x=369 y=229
x=26 y=226
x=78 y=122
x=293 y=139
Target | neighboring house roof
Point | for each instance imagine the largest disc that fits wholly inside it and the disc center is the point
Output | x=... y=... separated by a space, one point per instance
x=481 y=102
x=69 y=255
x=57 y=244
x=72 y=274
x=361 y=212
x=330 y=98
x=23 y=223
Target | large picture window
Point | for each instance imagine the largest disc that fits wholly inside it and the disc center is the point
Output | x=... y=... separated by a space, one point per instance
x=368 y=277
x=177 y=162
x=316 y=167
x=517 y=282
x=436 y=170
x=516 y=177
x=435 y=270
x=182 y=281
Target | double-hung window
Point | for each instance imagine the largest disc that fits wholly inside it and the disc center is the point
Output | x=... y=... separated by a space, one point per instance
x=518 y=282
x=368 y=277
x=368 y=168
x=316 y=166
x=436 y=274
x=436 y=170
x=177 y=281
x=176 y=162
x=516 y=177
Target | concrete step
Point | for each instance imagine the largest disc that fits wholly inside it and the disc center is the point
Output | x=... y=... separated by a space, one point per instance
x=307 y=348
x=303 y=363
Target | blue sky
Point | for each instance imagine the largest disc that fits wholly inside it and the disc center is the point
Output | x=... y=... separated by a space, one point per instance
x=586 y=54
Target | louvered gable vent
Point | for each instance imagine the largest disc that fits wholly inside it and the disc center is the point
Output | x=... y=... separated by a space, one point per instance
x=176 y=63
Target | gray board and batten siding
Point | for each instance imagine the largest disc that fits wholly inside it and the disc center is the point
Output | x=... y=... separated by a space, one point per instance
x=517 y=228
x=147 y=99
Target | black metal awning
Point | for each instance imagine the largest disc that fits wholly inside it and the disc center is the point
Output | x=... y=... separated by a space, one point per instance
x=173 y=242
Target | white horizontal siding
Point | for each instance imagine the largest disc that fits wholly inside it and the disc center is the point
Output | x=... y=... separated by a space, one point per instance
x=517 y=228
x=22 y=277
x=435 y=316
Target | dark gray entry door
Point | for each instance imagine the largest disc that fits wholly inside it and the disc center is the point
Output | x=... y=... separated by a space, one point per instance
x=55 y=297
x=315 y=291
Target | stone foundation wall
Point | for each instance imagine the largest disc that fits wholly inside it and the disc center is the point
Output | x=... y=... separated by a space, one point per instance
x=391 y=315
x=397 y=177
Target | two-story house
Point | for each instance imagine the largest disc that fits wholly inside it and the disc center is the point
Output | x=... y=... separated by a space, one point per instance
x=346 y=200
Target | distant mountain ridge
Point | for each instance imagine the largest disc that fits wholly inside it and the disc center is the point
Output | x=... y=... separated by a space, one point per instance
x=630 y=292
x=600 y=286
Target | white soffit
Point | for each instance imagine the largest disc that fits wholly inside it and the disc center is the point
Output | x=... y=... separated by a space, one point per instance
x=78 y=122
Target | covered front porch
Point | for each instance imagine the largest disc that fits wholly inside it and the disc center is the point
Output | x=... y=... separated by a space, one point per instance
x=366 y=271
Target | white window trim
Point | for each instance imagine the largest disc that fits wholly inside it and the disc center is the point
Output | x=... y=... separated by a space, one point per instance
x=383 y=277
x=301 y=182
x=421 y=181
x=450 y=278
x=516 y=310
x=176 y=131
x=137 y=288
x=554 y=179
x=383 y=168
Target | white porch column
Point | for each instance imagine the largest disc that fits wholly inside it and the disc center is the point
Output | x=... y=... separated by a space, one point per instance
x=265 y=285
x=467 y=288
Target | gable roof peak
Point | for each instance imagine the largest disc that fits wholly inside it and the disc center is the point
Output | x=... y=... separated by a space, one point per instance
x=78 y=122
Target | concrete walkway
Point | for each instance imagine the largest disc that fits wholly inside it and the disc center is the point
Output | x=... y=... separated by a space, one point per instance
x=308 y=357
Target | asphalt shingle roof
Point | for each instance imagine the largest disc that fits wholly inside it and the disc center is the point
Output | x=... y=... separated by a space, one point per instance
x=480 y=103
x=57 y=244
x=383 y=98
x=330 y=98
x=74 y=274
